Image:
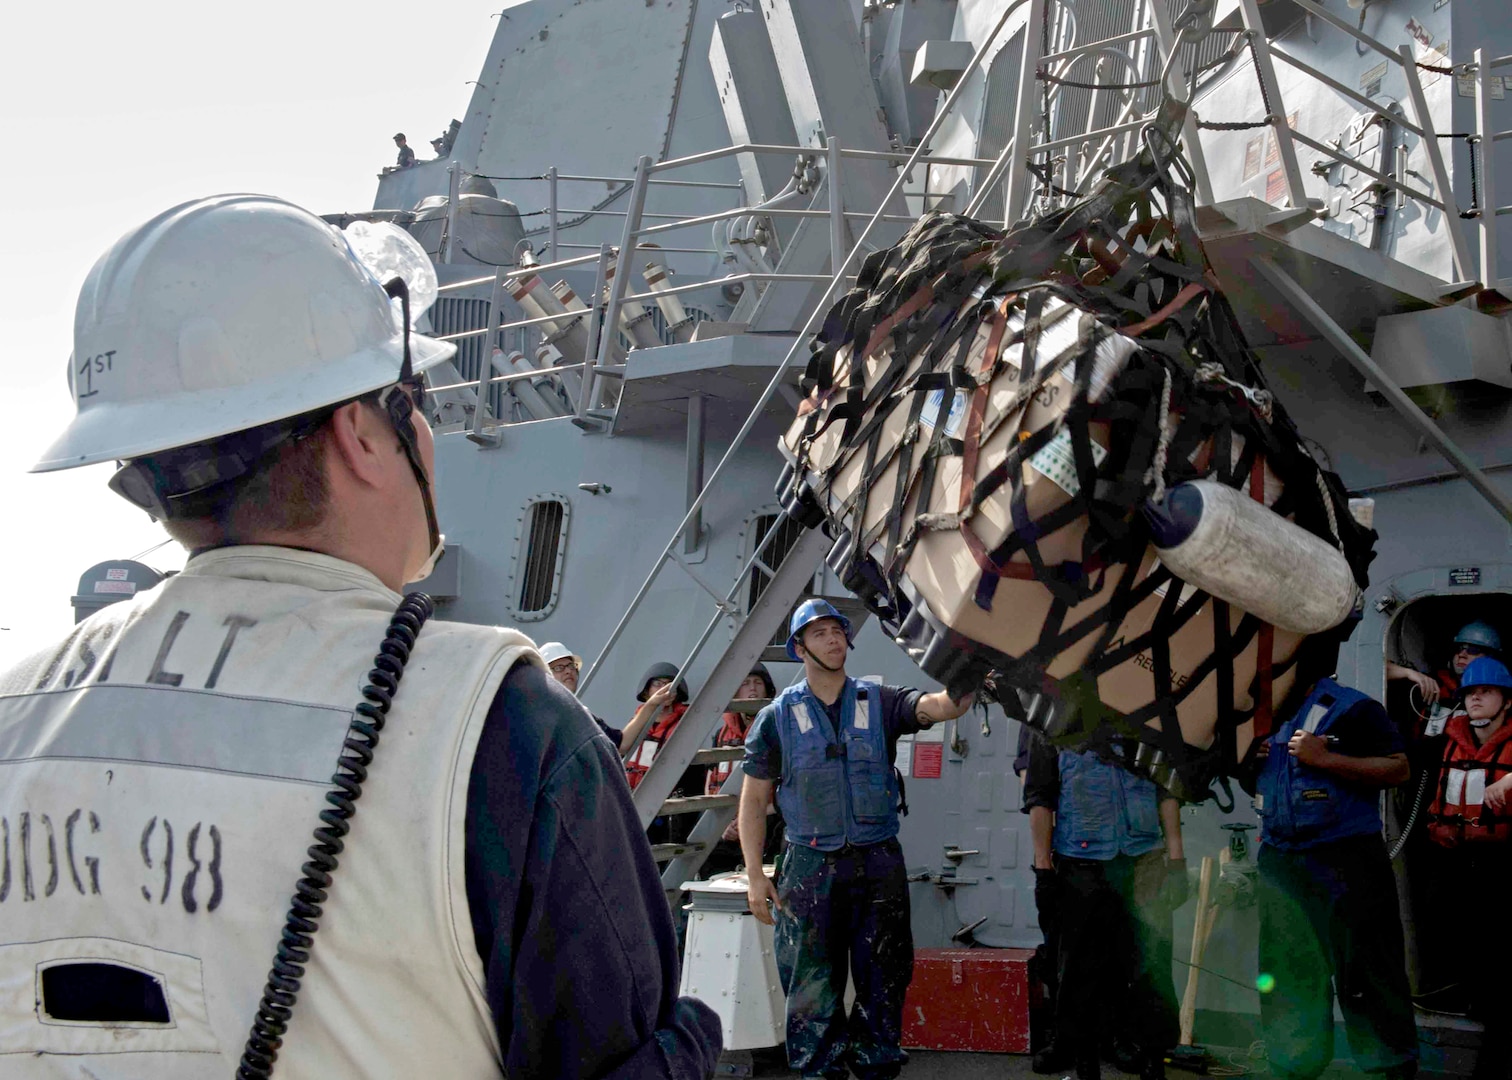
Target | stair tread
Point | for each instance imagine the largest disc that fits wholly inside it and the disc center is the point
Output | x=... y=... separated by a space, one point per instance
x=666 y=852
x=697 y=804
x=709 y=755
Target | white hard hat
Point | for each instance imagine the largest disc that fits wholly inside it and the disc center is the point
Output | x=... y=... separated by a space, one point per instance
x=553 y=651
x=220 y=315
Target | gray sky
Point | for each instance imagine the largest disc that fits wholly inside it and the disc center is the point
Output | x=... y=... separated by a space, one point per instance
x=112 y=112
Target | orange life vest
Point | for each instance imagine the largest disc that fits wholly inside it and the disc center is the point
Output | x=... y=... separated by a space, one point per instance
x=661 y=730
x=733 y=733
x=1459 y=814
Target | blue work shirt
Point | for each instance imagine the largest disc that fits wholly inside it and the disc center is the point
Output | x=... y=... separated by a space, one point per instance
x=833 y=761
x=1301 y=807
x=567 y=906
x=1101 y=810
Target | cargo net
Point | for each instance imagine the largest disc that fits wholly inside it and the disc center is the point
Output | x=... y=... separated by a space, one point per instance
x=987 y=415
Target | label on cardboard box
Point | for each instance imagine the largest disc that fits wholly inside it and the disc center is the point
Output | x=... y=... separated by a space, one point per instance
x=955 y=423
x=1056 y=461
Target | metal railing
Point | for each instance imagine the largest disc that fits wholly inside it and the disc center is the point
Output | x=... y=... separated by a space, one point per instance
x=1026 y=163
x=604 y=358
x=1046 y=166
x=1043 y=165
x=1485 y=140
x=842 y=257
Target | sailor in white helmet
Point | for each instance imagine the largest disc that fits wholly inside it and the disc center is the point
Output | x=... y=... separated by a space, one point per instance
x=477 y=898
x=564 y=665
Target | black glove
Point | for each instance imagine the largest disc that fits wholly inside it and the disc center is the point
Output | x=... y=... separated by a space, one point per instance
x=1047 y=900
x=1175 y=890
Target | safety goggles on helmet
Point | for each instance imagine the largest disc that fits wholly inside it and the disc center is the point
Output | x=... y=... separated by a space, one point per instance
x=191 y=481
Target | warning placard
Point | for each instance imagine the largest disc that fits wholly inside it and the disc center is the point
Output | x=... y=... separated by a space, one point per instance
x=928 y=760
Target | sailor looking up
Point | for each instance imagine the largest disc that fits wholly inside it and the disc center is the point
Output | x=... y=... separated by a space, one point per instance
x=842 y=895
x=734 y=726
x=1434 y=703
x=564 y=665
x=662 y=704
x=178 y=749
x=1329 y=924
x=1471 y=820
x=1110 y=884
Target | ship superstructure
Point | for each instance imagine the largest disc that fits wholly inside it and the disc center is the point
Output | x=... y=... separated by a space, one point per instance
x=650 y=203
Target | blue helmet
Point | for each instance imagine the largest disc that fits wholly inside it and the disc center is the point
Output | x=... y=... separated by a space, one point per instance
x=810 y=611
x=1480 y=634
x=1486 y=671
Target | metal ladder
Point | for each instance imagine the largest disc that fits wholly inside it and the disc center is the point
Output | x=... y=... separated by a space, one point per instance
x=789 y=581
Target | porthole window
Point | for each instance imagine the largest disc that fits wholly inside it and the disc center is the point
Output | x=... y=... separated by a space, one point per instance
x=540 y=550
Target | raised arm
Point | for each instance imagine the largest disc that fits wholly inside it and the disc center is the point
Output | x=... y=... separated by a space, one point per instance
x=643 y=715
x=940 y=706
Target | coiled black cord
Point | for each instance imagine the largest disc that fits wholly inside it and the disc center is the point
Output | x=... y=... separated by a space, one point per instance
x=310 y=893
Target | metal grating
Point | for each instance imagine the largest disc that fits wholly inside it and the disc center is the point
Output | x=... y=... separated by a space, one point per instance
x=536 y=579
x=457 y=315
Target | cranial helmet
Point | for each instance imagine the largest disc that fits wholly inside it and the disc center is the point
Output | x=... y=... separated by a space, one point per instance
x=661 y=670
x=1486 y=671
x=1480 y=634
x=761 y=672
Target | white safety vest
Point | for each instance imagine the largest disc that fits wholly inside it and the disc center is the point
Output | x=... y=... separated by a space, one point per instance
x=161 y=774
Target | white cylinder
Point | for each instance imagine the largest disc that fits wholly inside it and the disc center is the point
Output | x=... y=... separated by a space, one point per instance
x=529 y=397
x=656 y=276
x=566 y=384
x=1248 y=555
x=568 y=329
x=634 y=317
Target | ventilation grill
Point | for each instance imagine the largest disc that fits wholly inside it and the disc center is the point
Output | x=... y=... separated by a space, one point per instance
x=538 y=564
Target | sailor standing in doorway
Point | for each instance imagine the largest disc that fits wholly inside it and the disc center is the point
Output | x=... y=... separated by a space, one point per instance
x=1471 y=821
x=1329 y=924
x=842 y=896
x=1437 y=697
x=163 y=768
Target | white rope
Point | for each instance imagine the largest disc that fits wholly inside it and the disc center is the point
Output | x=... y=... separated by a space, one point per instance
x=1156 y=471
x=1262 y=400
x=1333 y=522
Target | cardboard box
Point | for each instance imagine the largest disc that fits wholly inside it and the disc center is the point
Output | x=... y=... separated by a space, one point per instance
x=942 y=569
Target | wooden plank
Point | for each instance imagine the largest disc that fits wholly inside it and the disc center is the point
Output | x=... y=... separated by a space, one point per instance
x=666 y=852
x=711 y=755
x=1202 y=928
x=697 y=804
x=749 y=706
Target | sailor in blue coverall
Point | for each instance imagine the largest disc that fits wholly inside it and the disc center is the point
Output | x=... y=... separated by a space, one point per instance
x=1328 y=904
x=842 y=895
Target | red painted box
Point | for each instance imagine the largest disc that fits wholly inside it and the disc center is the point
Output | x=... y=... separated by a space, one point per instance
x=969 y=999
